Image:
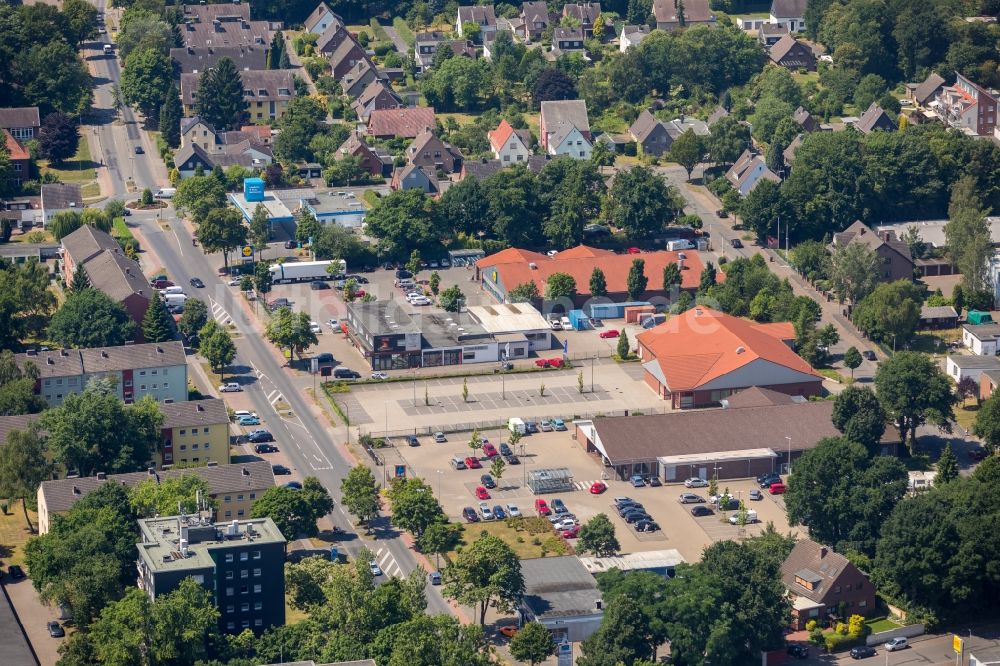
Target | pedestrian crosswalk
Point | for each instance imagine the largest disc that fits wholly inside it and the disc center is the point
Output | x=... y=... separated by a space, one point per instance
x=274 y=397
x=388 y=563
x=219 y=313
x=584 y=485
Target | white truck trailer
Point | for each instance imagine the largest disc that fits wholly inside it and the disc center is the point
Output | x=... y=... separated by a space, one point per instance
x=306 y=271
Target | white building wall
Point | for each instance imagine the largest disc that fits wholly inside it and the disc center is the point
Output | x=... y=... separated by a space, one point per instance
x=574 y=145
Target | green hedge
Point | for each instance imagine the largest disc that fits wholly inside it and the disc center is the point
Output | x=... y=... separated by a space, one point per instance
x=835 y=642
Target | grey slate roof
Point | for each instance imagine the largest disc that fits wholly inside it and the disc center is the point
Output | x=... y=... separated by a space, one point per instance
x=481 y=14
x=59 y=196
x=937 y=312
x=860 y=233
x=643 y=126
x=62 y=494
x=559 y=587
x=875 y=118
x=20 y=116
x=278 y=85
x=67 y=362
x=812 y=562
x=19 y=422
x=192 y=59
x=117 y=276
x=194 y=413
x=788 y=8
x=87 y=242
x=570 y=111
x=926 y=91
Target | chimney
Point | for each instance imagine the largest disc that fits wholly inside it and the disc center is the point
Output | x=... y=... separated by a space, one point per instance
x=159 y=350
x=50 y=361
x=599 y=605
x=101 y=476
x=190 y=49
x=151 y=471
x=76 y=490
x=63 y=352
x=104 y=354
x=823 y=551
x=887 y=236
x=740 y=350
x=199 y=408
x=245 y=472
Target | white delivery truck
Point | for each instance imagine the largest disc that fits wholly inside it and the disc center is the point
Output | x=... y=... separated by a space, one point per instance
x=174 y=299
x=306 y=271
x=682 y=244
x=516 y=425
x=109 y=49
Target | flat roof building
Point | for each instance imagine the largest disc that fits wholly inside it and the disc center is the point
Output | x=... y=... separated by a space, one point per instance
x=518 y=319
x=343 y=208
x=660 y=562
x=240 y=563
x=561 y=595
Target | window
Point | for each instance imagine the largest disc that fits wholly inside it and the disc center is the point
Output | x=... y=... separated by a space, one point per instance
x=253 y=496
x=257 y=605
x=231 y=626
x=142 y=387
x=239 y=498
x=229 y=557
x=229 y=575
x=836 y=590
x=229 y=591
x=240 y=513
x=256 y=554
x=142 y=373
x=244 y=555
x=152 y=372
x=256 y=589
x=244 y=573
x=258 y=623
x=244 y=607
x=194 y=446
x=244 y=589
x=245 y=624
x=256 y=573
x=229 y=514
x=847 y=588
x=183 y=432
x=862 y=604
x=194 y=431
x=230 y=608
x=184 y=447
x=228 y=498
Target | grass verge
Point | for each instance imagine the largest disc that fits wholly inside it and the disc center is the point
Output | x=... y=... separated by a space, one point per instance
x=14 y=533
x=78 y=169
x=528 y=537
x=880 y=624
x=120 y=229
x=404 y=31
x=965 y=415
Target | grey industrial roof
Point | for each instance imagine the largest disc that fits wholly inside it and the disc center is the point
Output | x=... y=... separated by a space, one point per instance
x=559 y=587
x=60 y=495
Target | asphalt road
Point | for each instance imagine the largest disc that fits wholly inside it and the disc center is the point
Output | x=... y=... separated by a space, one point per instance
x=308 y=443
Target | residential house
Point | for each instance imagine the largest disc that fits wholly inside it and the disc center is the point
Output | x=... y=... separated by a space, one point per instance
x=789 y=153
x=562 y=596
x=564 y=128
x=805 y=120
x=23 y=213
x=482 y=15
x=266 y=93
x=321 y=18
x=678 y=126
x=119 y=277
x=499 y=273
x=413 y=177
x=371 y=162
x=425 y=46
x=198 y=59
x=404 y=123
x=195 y=130
x=989 y=381
x=225 y=24
x=672 y=14
x=790 y=13
x=510 y=145
x=822 y=582
x=566 y=40
x=332 y=39
x=20 y=159
x=875 y=119
x=960 y=366
x=376 y=95
x=718 y=114
x=59 y=197
x=790 y=53
x=895 y=260
x=937 y=317
x=194 y=432
x=233 y=487
x=631 y=36
x=22 y=122
x=702 y=356
x=480 y=169
x=981 y=339
x=768 y=34
x=246 y=154
x=749 y=170
x=650 y=135
x=968 y=107
x=431 y=153
x=157 y=369
x=536 y=19
x=356 y=79
x=922 y=94
x=757 y=431
x=348 y=54
x=584 y=13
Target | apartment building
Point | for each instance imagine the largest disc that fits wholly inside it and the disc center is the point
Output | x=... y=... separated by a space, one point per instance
x=194 y=432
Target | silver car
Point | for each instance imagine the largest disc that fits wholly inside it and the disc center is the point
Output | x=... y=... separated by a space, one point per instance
x=485 y=511
x=513 y=511
x=695 y=482
x=691 y=498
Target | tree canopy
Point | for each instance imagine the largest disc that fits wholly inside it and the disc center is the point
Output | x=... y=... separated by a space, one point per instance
x=90 y=318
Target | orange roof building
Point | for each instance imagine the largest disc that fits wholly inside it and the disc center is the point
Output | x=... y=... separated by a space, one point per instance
x=702 y=356
x=501 y=272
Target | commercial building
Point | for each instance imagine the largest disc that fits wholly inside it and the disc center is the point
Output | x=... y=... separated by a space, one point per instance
x=343 y=208
x=661 y=562
x=253 y=195
x=240 y=563
x=561 y=595
x=754 y=434
x=157 y=369
x=233 y=487
x=520 y=321
x=821 y=582
x=194 y=432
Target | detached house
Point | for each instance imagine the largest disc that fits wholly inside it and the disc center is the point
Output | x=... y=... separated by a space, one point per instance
x=749 y=170
x=510 y=145
x=805 y=120
x=405 y=123
x=650 y=135
x=413 y=177
x=631 y=36
x=377 y=95
x=585 y=13
x=968 y=107
x=670 y=15
x=536 y=19
x=482 y=15
x=371 y=161
x=321 y=18
x=789 y=13
x=922 y=94
x=22 y=122
x=566 y=40
x=564 y=128
x=896 y=262
x=430 y=152
x=59 y=197
x=332 y=39
x=348 y=54
x=875 y=119
x=820 y=582
x=790 y=53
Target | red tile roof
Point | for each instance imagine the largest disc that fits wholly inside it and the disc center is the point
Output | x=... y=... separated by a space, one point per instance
x=702 y=345
x=500 y=135
x=513 y=267
x=407 y=122
x=16 y=150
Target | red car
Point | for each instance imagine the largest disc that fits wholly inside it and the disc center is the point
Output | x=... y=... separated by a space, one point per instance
x=571 y=533
x=777 y=489
x=610 y=333
x=360 y=293
x=472 y=463
x=598 y=487
x=555 y=363
x=542 y=508
x=489 y=450
x=161 y=284
x=482 y=493
x=542 y=362
x=634 y=250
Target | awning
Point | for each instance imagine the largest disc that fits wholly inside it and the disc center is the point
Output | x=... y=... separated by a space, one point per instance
x=719 y=456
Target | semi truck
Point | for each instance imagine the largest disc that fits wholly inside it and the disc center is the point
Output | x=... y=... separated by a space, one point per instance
x=307 y=271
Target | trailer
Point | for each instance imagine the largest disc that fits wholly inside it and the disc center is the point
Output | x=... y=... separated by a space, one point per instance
x=579 y=320
x=307 y=271
x=612 y=310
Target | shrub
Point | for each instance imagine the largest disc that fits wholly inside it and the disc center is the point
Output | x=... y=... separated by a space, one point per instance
x=841 y=629
x=856 y=626
x=810 y=625
x=835 y=642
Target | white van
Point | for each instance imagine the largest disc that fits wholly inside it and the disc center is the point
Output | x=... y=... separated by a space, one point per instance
x=682 y=244
x=517 y=425
x=165 y=193
x=175 y=299
x=751 y=517
x=166 y=291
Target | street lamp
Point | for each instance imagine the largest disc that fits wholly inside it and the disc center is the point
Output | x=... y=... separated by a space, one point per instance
x=592 y=372
x=789 y=440
x=439 y=485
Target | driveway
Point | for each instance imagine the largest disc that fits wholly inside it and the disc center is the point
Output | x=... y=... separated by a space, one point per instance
x=397 y=41
x=34 y=616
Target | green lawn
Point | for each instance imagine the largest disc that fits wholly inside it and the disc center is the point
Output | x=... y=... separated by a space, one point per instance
x=14 y=533
x=120 y=229
x=520 y=534
x=404 y=30
x=879 y=624
x=965 y=415
x=79 y=169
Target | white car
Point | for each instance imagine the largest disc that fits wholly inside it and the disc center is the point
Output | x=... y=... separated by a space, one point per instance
x=235 y=282
x=695 y=482
x=485 y=511
x=513 y=511
x=315 y=328
x=897 y=644
x=375 y=568
x=751 y=518
x=240 y=413
x=555 y=325
x=379 y=375
x=565 y=524
x=230 y=387
x=420 y=301
x=333 y=324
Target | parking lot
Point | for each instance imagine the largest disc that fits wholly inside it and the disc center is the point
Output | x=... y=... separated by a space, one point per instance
x=679 y=529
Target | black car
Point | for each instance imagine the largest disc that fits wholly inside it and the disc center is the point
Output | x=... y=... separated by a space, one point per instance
x=290 y=245
x=265 y=448
x=646 y=526
x=626 y=508
x=487 y=481
x=196 y=282
x=531 y=427
x=55 y=629
x=558 y=506
x=505 y=450
x=318 y=285
x=258 y=436
x=701 y=510
x=16 y=572
x=139 y=150
x=863 y=651
x=360 y=279
x=636 y=516
x=512 y=459
x=770 y=481
x=403 y=274
x=622 y=501
x=732 y=504
x=799 y=651
x=736 y=243
x=869 y=355
x=470 y=515
x=412 y=440
x=280 y=470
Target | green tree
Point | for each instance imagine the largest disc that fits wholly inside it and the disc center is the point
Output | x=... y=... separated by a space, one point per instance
x=222 y=231
x=53 y=77
x=560 y=285
x=64 y=223
x=858 y=414
x=623 y=350
x=402 y=221
x=597 y=536
x=157 y=324
x=854 y=271
x=295 y=512
x=215 y=344
x=23 y=466
x=913 y=390
x=852 y=359
x=413 y=263
x=80 y=280
x=671 y=276
x=598 y=283
x=171 y=113
x=220 y=96
x=890 y=312
x=435 y=283
x=91 y=319
x=17 y=387
x=58 y=137
x=168 y=496
x=687 y=150
x=533 y=644
x=277 y=51
x=497 y=468
x=967 y=234
x=145 y=80
x=987 y=423
x=486 y=573
x=637 y=281
x=621 y=638
x=306 y=227
x=262 y=278
x=197 y=196
x=439 y=538
x=194 y=317
x=260 y=229
x=947 y=466
x=360 y=493
x=707 y=280
x=303 y=335
x=451 y=299
x=809 y=257
x=81 y=20
x=640 y=203
x=729 y=138
x=140 y=29
x=414 y=507
x=526 y=292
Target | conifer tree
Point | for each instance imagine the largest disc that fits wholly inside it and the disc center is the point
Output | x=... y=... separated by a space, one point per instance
x=157 y=323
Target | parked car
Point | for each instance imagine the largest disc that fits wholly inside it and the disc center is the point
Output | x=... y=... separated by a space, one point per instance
x=375 y=568
x=531 y=427
x=482 y=493
x=701 y=510
x=489 y=450
x=695 y=482
x=314 y=327
x=197 y=283
x=691 y=498
x=619 y=501
x=412 y=440
x=899 y=643
x=280 y=470
x=654 y=481
x=598 y=487
x=260 y=435
x=863 y=652
x=637 y=481
x=318 y=285
x=751 y=518
x=610 y=333
x=241 y=413
x=160 y=282
x=869 y=355
x=736 y=243
x=248 y=421
x=798 y=651
x=487 y=481
x=379 y=376
x=55 y=629
x=777 y=489
x=508 y=630
x=570 y=532
x=558 y=506
x=545 y=425
x=635 y=516
x=439 y=437
x=326 y=358
x=542 y=508
x=472 y=463
x=766 y=483
x=564 y=524
x=434 y=577
x=558 y=424
x=512 y=510
x=625 y=508
x=512 y=460
x=15 y=571
x=555 y=325
x=756 y=494
x=230 y=387
x=294 y=485
x=470 y=515
x=505 y=449
x=485 y=511
x=499 y=513
x=290 y=245
x=265 y=448
x=646 y=525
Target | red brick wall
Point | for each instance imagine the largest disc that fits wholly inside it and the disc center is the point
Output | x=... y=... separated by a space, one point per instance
x=986 y=387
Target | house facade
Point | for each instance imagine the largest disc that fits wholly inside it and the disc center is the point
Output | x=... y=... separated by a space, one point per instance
x=482 y=15
x=968 y=107
x=356 y=146
x=895 y=260
x=789 y=13
x=564 y=128
x=536 y=19
x=749 y=170
x=193 y=432
x=981 y=339
x=821 y=582
x=790 y=53
x=20 y=159
x=22 y=122
x=650 y=135
x=631 y=36
x=266 y=93
x=509 y=145
x=322 y=18
x=430 y=152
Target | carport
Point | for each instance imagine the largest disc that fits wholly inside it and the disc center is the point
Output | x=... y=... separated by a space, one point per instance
x=738 y=464
x=554 y=480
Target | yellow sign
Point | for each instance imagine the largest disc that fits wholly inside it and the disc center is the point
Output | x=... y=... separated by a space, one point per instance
x=957 y=643
x=247 y=250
